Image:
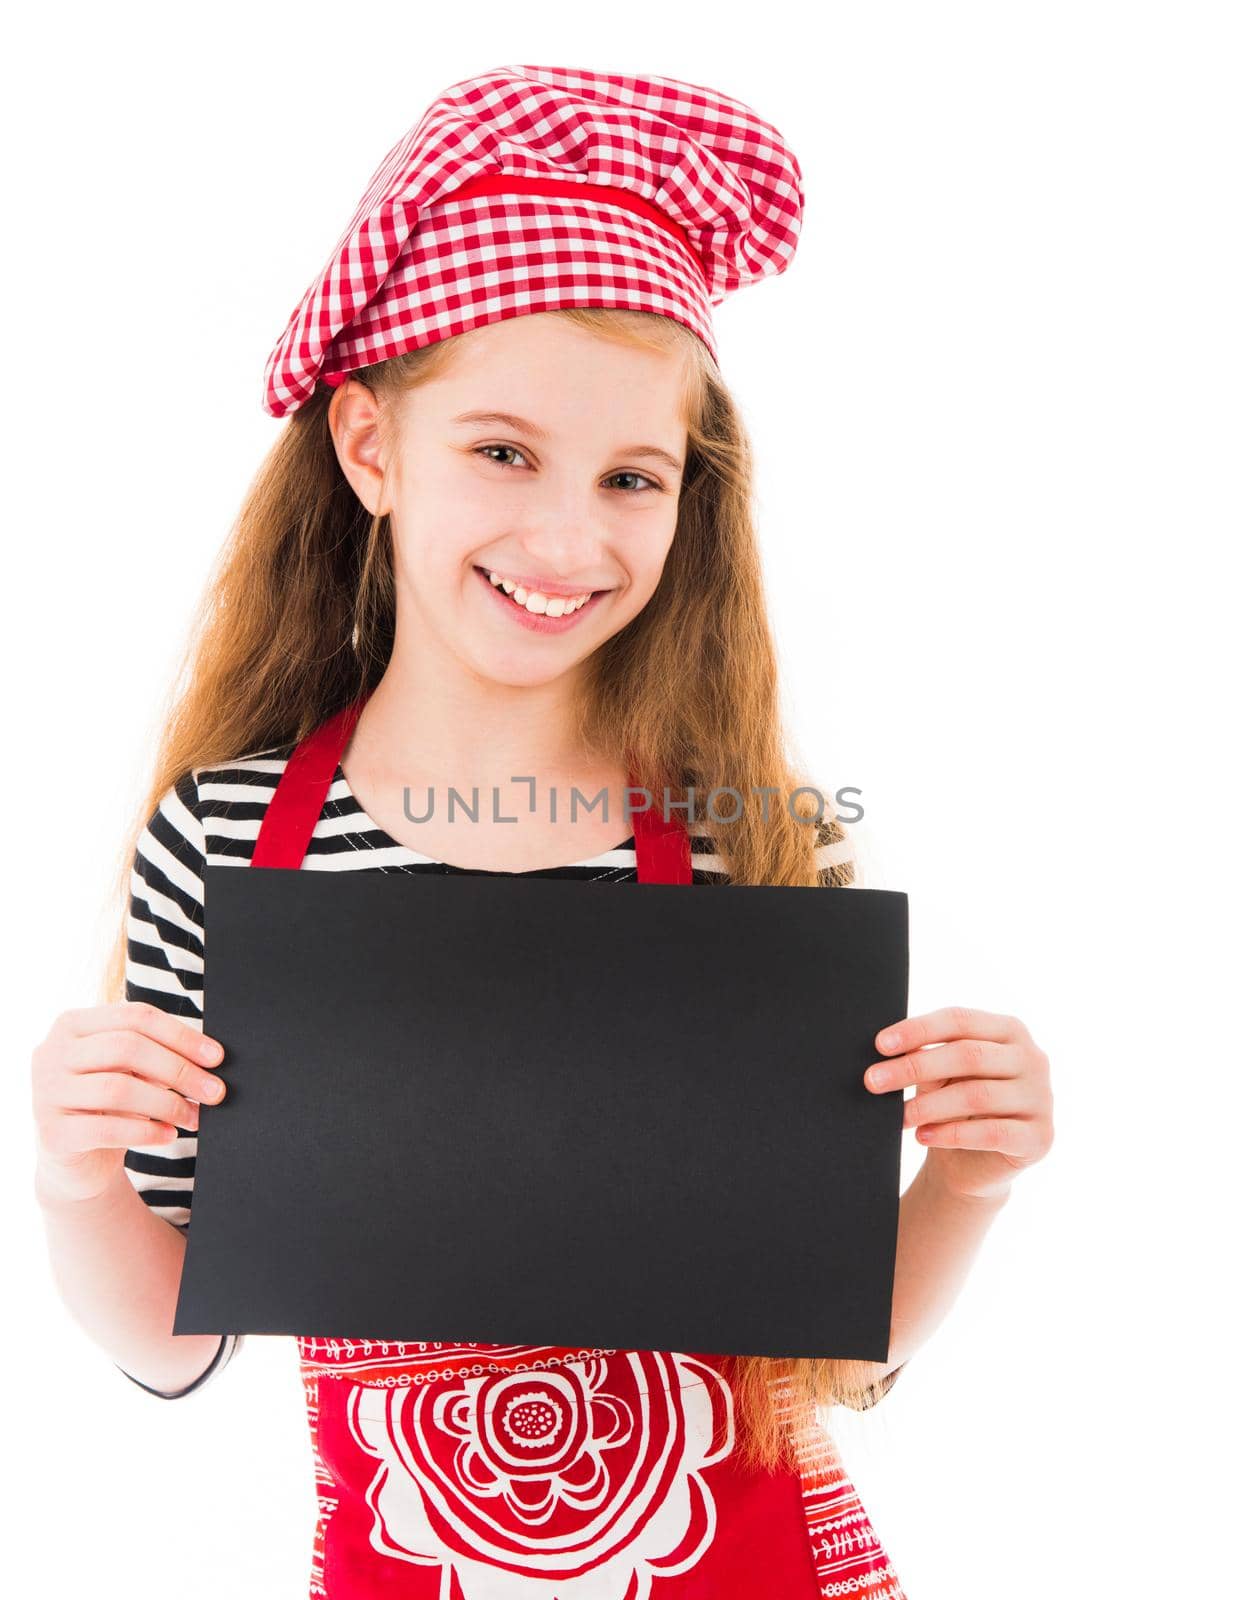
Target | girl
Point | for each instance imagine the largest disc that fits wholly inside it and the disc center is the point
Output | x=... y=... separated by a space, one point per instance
x=506 y=533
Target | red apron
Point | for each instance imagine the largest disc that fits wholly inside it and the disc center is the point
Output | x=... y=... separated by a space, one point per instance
x=510 y=1472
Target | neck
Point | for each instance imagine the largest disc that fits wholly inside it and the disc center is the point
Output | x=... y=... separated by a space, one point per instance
x=420 y=723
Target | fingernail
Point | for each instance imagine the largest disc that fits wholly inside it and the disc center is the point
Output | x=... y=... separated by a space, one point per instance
x=878 y=1077
x=211 y=1050
x=889 y=1041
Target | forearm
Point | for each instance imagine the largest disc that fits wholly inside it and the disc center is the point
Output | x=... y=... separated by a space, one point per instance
x=938 y=1238
x=117 y=1266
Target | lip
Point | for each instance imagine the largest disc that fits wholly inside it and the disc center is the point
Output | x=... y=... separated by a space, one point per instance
x=562 y=591
x=538 y=621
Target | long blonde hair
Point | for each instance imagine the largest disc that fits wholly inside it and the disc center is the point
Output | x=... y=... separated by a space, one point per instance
x=297 y=619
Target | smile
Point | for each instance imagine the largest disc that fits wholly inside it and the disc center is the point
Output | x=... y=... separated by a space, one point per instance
x=538 y=602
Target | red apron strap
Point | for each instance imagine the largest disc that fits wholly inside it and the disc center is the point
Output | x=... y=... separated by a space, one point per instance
x=290 y=818
x=662 y=849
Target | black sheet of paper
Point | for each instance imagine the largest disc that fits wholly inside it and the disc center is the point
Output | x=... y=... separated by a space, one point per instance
x=541 y=1111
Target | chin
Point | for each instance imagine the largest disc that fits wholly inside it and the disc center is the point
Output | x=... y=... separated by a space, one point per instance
x=513 y=672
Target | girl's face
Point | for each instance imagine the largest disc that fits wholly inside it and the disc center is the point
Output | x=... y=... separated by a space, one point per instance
x=545 y=456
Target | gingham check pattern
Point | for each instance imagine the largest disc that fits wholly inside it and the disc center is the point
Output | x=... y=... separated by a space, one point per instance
x=530 y=188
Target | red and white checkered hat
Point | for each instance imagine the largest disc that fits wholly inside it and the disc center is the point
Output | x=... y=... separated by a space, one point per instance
x=530 y=188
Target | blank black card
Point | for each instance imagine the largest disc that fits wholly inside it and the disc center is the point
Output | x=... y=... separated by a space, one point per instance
x=541 y=1111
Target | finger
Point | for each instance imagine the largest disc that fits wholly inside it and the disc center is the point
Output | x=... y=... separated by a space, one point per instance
x=1012 y=1137
x=138 y=1054
x=952 y=1022
x=971 y=1097
x=120 y=1092
x=76 y=1132
x=185 y=1038
x=961 y=1058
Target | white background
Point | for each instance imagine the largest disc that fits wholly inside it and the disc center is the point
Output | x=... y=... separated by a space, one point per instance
x=1003 y=404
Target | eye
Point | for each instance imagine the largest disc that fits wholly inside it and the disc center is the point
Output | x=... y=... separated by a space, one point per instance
x=640 y=478
x=510 y=448
x=482 y=450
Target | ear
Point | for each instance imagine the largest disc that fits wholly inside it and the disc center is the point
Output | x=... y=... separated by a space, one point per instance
x=354 y=420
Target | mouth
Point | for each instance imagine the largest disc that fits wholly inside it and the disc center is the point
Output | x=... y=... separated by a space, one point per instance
x=538 y=609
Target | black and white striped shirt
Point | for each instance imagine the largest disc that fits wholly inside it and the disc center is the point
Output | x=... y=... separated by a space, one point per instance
x=211 y=816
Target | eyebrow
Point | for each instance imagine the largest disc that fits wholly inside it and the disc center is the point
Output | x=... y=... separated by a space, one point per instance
x=523 y=425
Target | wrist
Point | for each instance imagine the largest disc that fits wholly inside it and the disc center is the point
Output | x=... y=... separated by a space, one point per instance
x=57 y=1196
x=935 y=1180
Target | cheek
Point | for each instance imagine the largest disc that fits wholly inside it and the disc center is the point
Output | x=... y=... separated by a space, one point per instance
x=439 y=486
x=646 y=555
x=437 y=534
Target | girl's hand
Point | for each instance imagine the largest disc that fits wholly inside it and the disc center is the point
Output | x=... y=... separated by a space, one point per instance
x=982 y=1104
x=109 y=1077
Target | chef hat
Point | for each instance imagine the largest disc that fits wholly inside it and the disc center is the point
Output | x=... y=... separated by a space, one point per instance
x=530 y=188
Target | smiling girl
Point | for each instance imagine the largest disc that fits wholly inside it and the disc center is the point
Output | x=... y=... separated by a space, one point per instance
x=505 y=533
x=526 y=537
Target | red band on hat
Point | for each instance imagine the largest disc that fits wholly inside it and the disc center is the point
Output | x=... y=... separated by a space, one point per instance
x=605 y=193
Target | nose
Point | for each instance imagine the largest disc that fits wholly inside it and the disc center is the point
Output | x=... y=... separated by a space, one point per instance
x=562 y=535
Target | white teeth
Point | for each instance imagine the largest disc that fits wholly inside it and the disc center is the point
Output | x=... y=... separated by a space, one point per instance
x=534 y=600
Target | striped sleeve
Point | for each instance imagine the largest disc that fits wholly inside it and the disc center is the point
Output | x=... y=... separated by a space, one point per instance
x=877 y=1391
x=834 y=854
x=165 y=966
